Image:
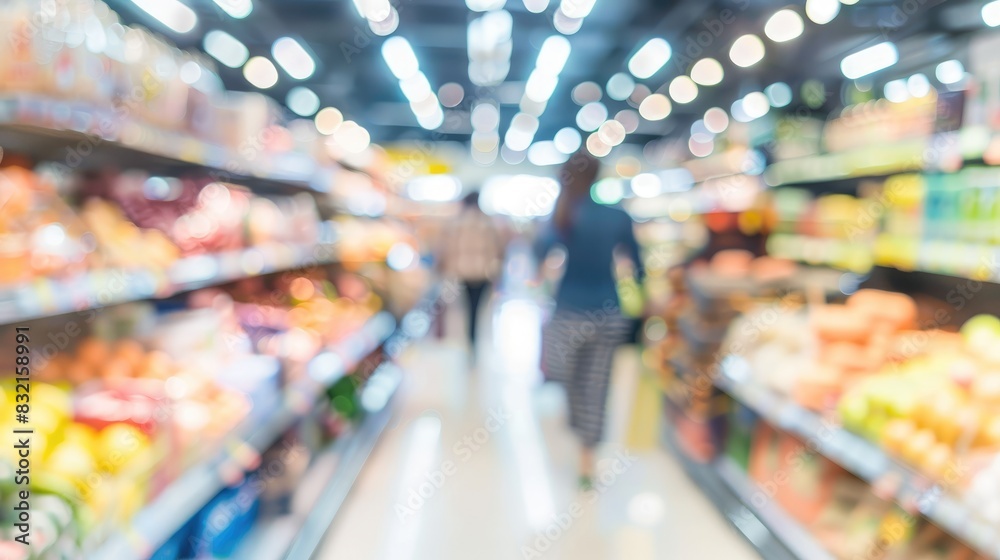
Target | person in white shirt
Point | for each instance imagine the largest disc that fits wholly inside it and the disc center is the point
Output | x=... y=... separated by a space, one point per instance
x=472 y=252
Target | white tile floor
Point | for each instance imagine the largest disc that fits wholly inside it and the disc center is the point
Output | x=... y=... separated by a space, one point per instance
x=506 y=488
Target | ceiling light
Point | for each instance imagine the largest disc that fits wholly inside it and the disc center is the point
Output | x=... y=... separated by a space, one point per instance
x=431 y=120
x=683 y=89
x=352 y=137
x=260 y=72
x=293 y=58
x=646 y=185
x=485 y=5
x=640 y=93
x=302 y=101
x=540 y=86
x=991 y=13
x=238 y=9
x=950 y=72
x=567 y=140
x=425 y=107
x=521 y=132
x=190 y=72
x=849 y=2
x=434 y=188
x=756 y=105
x=172 y=13
x=596 y=147
x=649 y=58
x=629 y=120
x=545 y=153
x=587 y=92
x=896 y=91
x=869 y=61
x=376 y=10
x=416 y=87
x=822 y=11
x=536 y=6
x=655 y=107
x=716 y=120
x=747 y=51
x=779 y=94
x=620 y=86
x=225 y=48
x=918 y=85
x=591 y=115
x=576 y=9
x=451 y=94
x=700 y=147
x=784 y=25
x=611 y=133
x=485 y=141
x=386 y=26
x=608 y=191
x=553 y=54
x=328 y=119
x=485 y=116
x=399 y=55
x=565 y=24
x=707 y=72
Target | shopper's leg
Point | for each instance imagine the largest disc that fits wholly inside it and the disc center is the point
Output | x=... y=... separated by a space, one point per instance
x=594 y=376
x=474 y=290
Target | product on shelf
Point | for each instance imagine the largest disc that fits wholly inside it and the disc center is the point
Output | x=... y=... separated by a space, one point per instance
x=39 y=233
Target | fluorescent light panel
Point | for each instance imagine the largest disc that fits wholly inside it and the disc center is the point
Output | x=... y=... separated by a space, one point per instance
x=225 y=48
x=174 y=14
x=869 y=61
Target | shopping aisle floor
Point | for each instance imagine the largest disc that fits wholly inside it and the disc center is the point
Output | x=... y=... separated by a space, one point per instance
x=479 y=464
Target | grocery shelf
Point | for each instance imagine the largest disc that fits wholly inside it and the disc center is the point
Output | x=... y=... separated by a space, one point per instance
x=84 y=135
x=949 y=258
x=45 y=297
x=175 y=505
x=854 y=164
x=325 y=485
x=769 y=529
x=862 y=458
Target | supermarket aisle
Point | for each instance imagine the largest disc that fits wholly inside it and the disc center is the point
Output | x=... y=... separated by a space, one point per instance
x=480 y=465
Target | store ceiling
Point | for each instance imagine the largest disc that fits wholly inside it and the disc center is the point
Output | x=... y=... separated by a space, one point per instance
x=353 y=76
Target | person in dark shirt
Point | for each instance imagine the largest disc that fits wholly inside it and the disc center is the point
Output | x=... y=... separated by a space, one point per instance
x=587 y=326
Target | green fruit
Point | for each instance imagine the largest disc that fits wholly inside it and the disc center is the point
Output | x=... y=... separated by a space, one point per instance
x=853 y=410
x=981 y=330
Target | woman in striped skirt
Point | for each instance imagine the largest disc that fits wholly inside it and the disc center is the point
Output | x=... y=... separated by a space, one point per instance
x=587 y=327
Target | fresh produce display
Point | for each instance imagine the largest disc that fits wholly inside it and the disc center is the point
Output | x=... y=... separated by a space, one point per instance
x=938 y=405
x=304 y=312
x=839 y=511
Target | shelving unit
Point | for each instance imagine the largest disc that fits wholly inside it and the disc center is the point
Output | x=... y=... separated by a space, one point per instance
x=774 y=534
x=863 y=459
x=160 y=519
x=82 y=135
x=102 y=288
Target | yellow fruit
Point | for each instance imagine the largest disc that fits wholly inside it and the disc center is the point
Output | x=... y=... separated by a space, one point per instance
x=53 y=397
x=896 y=434
x=81 y=434
x=935 y=463
x=72 y=462
x=118 y=445
x=918 y=445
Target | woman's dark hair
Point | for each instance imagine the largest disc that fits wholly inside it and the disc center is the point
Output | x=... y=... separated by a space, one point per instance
x=575 y=179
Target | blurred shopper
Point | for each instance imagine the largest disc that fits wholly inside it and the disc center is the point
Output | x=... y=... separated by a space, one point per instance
x=587 y=326
x=472 y=253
